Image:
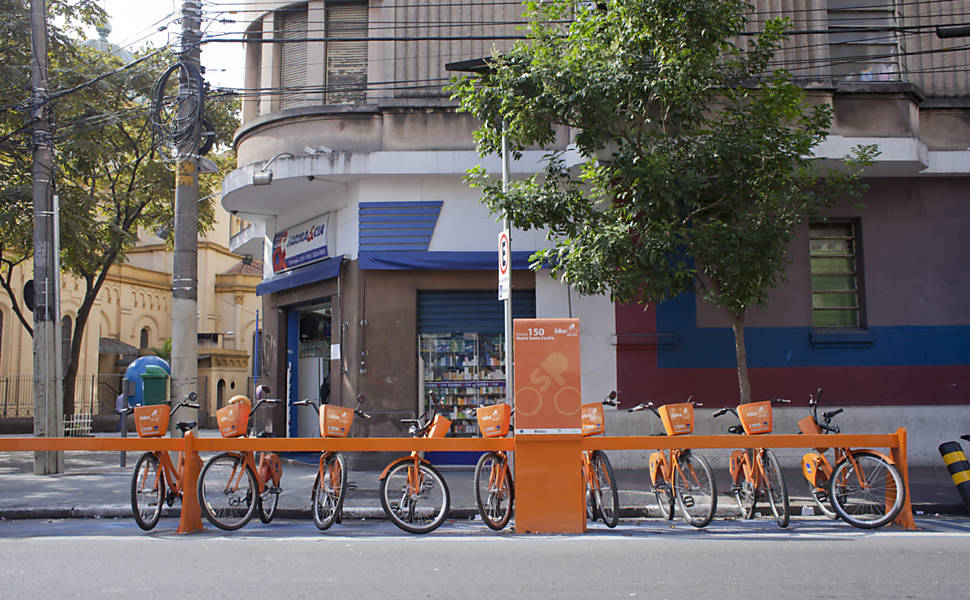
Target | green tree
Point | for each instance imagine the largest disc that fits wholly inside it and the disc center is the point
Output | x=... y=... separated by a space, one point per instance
x=109 y=175
x=694 y=155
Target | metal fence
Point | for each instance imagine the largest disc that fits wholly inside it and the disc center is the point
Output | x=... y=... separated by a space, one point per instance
x=93 y=395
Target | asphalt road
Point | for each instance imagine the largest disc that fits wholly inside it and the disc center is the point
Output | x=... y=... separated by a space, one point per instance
x=814 y=558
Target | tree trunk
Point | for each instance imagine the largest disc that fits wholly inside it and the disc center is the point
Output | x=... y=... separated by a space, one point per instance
x=744 y=383
x=77 y=337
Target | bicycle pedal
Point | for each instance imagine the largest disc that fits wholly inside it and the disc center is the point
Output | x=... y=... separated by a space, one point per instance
x=821 y=496
x=688 y=501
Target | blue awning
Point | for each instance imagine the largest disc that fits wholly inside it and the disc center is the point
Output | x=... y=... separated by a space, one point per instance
x=441 y=261
x=327 y=268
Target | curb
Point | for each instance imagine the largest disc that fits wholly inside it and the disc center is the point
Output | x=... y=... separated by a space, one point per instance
x=726 y=511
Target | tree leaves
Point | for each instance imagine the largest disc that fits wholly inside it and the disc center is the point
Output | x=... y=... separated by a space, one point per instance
x=696 y=159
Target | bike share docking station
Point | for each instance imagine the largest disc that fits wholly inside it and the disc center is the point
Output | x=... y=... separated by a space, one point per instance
x=548 y=441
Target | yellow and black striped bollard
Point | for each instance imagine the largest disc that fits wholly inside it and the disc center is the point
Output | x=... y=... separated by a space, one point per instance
x=956 y=463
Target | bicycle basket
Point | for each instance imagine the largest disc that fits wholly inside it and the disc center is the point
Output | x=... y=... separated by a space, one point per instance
x=678 y=419
x=592 y=418
x=335 y=421
x=493 y=421
x=808 y=426
x=233 y=420
x=151 y=421
x=439 y=427
x=755 y=417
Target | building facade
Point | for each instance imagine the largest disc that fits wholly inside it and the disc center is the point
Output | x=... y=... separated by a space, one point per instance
x=132 y=316
x=380 y=263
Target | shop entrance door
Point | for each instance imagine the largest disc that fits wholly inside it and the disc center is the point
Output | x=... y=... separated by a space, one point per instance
x=312 y=370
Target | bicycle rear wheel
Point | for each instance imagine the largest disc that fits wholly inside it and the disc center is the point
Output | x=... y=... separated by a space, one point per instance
x=776 y=489
x=746 y=496
x=664 y=493
x=147 y=491
x=327 y=497
x=268 y=500
x=227 y=491
x=695 y=489
x=604 y=486
x=870 y=496
x=494 y=493
x=415 y=497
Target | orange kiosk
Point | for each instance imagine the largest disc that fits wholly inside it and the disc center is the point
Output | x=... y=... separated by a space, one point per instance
x=548 y=427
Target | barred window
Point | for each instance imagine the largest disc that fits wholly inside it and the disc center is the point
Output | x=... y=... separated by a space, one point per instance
x=835 y=274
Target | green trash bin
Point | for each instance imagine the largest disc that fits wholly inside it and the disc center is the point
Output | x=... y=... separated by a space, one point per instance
x=154 y=385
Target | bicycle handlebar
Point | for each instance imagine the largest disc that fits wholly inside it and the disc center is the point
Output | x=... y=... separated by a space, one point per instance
x=611 y=399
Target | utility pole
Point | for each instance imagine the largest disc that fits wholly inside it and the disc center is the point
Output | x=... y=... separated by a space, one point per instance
x=185 y=321
x=48 y=394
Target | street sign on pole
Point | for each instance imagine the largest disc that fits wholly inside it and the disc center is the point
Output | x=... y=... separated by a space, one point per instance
x=504 y=266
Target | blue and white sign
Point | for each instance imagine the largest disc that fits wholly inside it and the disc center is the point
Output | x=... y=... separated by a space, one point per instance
x=300 y=245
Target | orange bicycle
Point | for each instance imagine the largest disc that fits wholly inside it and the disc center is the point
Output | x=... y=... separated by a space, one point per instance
x=330 y=484
x=757 y=473
x=602 y=497
x=494 y=492
x=234 y=485
x=413 y=492
x=678 y=474
x=155 y=478
x=864 y=488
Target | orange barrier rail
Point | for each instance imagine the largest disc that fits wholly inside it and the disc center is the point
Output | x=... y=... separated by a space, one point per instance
x=191 y=519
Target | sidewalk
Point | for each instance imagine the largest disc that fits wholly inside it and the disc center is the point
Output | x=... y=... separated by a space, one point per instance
x=94 y=485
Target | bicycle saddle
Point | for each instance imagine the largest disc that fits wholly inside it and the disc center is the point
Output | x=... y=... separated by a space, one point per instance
x=184 y=426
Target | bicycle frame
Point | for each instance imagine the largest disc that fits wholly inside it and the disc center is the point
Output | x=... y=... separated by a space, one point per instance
x=815 y=466
x=749 y=466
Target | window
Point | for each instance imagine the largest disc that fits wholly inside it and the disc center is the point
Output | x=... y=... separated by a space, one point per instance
x=835 y=274
x=293 y=56
x=862 y=43
x=143 y=339
x=346 y=73
x=65 y=342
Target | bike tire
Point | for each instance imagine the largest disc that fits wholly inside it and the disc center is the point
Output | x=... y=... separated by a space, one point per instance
x=866 y=508
x=695 y=489
x=776 y=489
x=607 y=496
x=269 y=500
x=494 y=493
x=420 y=512
x=147 y=491
x=824 y=507
x=664 y=493
x=228 y=496
x=329 y=490
x=746 y=497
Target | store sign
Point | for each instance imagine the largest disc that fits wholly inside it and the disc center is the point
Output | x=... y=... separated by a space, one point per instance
x=300 y=245
x=504 y=265
x=547 y=376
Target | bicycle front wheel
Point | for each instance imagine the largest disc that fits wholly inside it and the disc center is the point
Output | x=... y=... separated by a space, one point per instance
x=329 y=489
x=147 y=491
x=869 y=496
x=694 y=489
x=415 y=497
x=604 y=487
x=227 y=491
x=493 y=490
x=776 y=489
